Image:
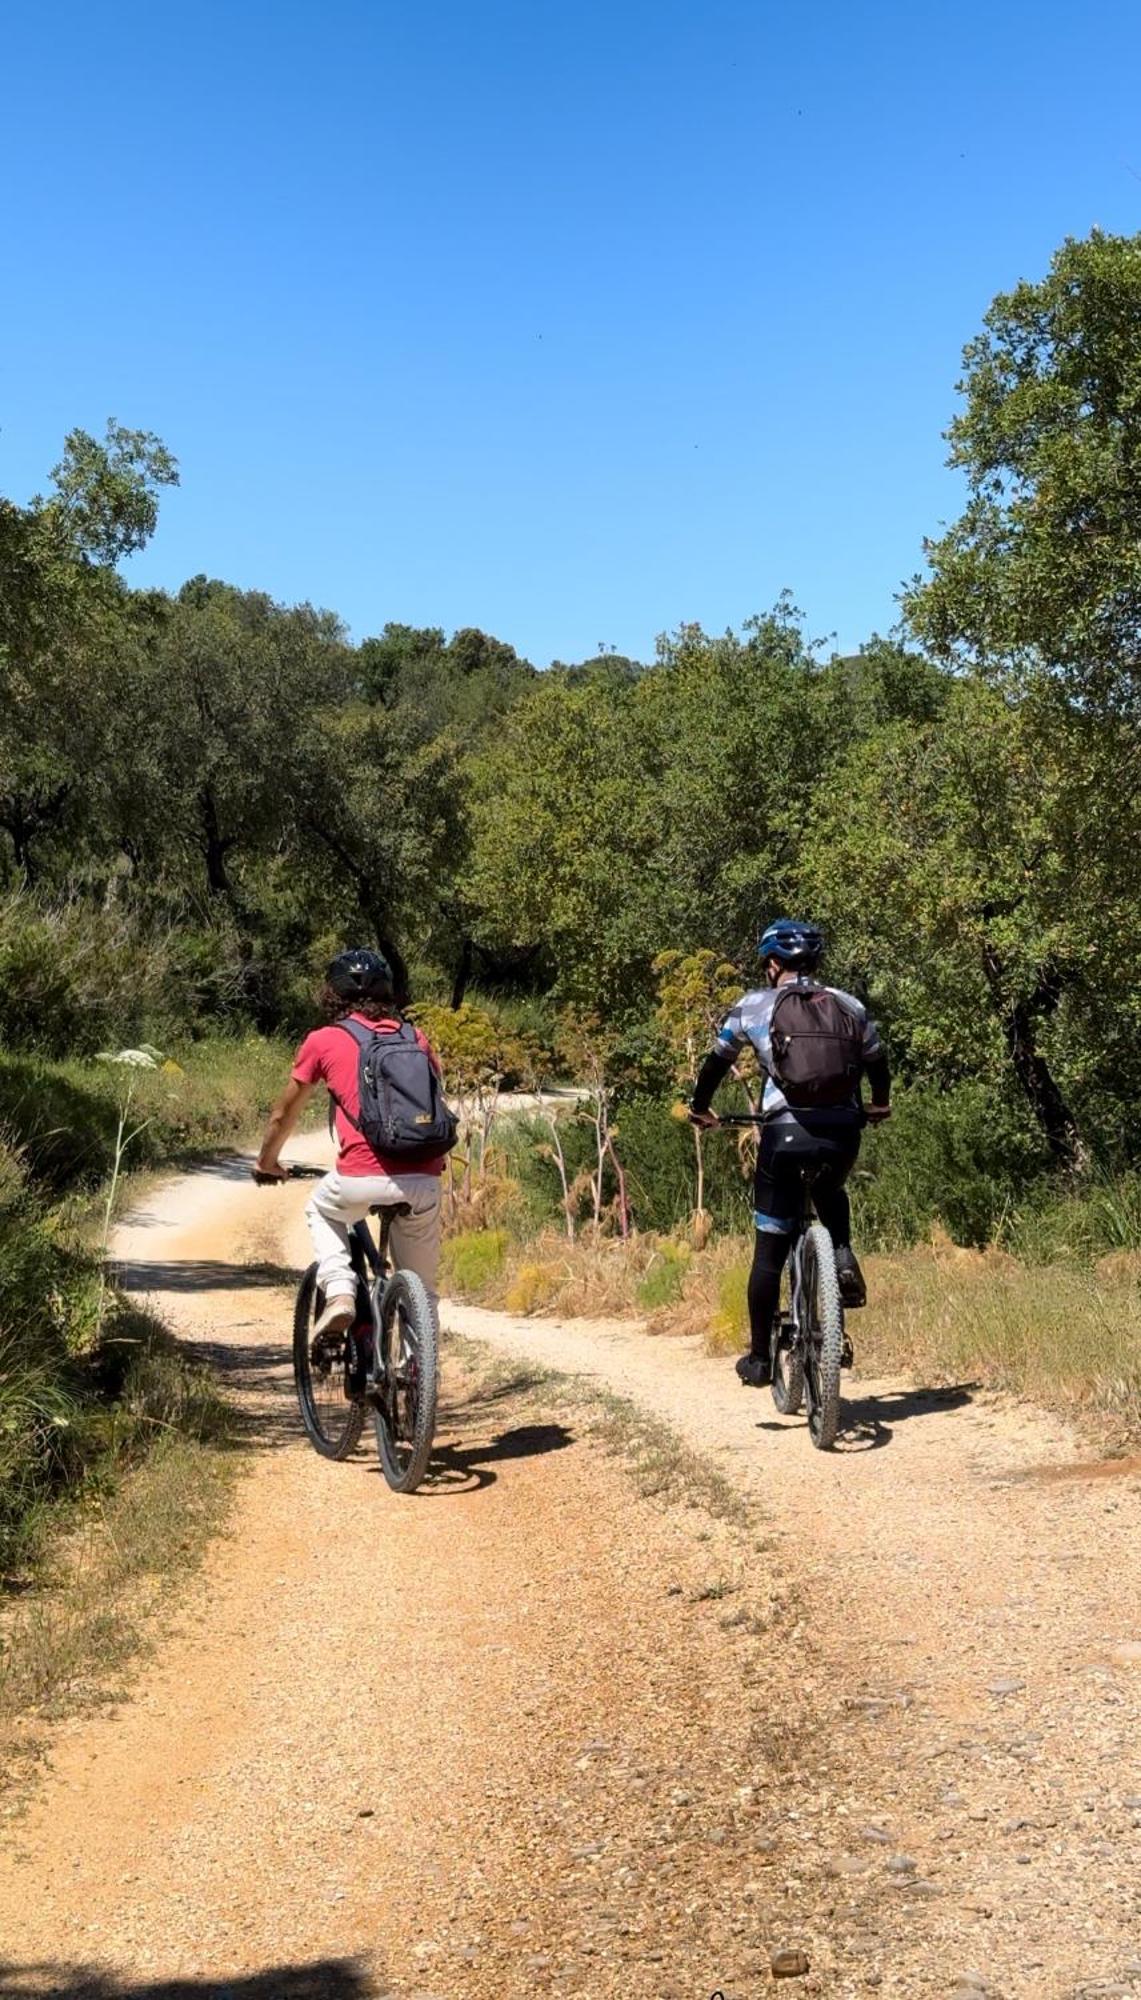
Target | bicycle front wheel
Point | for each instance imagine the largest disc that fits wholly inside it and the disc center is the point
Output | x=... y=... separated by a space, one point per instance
x=406 y=1384
x=333 y=1421
x=824 y=1335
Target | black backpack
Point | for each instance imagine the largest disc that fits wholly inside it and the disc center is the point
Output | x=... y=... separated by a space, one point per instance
x=817 y=1047
x=404 y=1115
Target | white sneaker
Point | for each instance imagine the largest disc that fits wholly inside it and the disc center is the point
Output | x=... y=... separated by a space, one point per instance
x=340 y=1312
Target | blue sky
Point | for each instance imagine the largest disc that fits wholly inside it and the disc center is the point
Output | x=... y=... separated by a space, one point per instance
x=572 y=322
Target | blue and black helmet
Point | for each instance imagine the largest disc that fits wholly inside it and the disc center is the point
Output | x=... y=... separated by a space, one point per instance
x=792 y=943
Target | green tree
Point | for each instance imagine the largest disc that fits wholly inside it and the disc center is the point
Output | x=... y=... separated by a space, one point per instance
x=972 y=867
x=1040 y=578
x=69 y=632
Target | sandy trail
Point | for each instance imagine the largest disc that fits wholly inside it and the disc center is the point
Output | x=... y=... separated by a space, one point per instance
x=529 y=1732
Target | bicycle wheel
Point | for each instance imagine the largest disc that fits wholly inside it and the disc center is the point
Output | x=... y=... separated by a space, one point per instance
x=320 y=1363
x=405 y=1398
x=788 y=1369
x=824 y=1335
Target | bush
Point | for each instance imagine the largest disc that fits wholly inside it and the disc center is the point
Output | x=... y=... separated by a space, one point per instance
x=532 y=1287
x=87 y=1381
x=64 y=1115
x=959 y=1157
x=664 y=1277
x=473 y=1260
x=730 y=1326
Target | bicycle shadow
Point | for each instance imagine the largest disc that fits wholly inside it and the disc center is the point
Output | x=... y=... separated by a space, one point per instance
x=462 y=1468
x=867 y=1423
x=323 y=1979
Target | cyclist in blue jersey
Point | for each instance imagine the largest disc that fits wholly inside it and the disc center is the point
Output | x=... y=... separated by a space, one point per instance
x=825 y=1134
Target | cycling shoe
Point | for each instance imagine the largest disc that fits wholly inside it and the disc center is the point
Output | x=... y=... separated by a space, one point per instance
x=755 y=1370
x=853 y=1291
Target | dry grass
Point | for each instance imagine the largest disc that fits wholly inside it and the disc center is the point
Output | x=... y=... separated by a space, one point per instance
x=1065 y=1335
x=1058 y=1334
x=149 y=1490
x=65 y=1644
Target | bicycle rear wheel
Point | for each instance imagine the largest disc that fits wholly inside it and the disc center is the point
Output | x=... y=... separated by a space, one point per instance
x=788 y=1369
x=406 y=1380
x=320 y=1371
x=824 y=1341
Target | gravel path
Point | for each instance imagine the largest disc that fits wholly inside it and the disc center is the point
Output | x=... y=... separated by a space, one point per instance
x=533 y=1731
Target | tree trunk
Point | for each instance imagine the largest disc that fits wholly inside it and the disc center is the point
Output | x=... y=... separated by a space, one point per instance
x=463 y=974
x=214 y=847
x=1019 y=1020
x=370 y=905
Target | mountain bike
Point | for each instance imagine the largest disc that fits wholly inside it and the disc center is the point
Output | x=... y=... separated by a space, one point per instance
x=386 y=1361
x=808 y=1332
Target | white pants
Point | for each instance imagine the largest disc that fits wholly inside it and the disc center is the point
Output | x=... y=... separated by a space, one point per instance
x=341 y=1199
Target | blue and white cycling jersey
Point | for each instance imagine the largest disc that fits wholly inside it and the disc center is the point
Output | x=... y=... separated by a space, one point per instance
x=749 y=1022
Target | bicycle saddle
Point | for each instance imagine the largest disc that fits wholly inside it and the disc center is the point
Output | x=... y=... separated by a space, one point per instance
x=392 y=1208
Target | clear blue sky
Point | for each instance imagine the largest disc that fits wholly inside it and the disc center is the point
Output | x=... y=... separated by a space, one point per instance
x=571 y=322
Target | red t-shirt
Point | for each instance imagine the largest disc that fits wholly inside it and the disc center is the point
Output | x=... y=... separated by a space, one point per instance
x=330 y=1056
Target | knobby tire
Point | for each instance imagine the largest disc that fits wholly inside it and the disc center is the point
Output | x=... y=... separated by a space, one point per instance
x=333 y=1423
x=788 y=1371
x=825 y=1336
x=407 y=1380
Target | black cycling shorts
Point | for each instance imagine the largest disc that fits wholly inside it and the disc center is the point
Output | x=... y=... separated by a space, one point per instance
x=827 y=1139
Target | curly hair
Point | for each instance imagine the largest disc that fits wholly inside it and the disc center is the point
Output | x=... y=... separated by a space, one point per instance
x=332 y=1006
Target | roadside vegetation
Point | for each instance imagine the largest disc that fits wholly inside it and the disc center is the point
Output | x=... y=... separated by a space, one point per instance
x=568 y=870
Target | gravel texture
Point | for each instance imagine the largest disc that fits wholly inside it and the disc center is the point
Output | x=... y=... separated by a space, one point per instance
x=533 y=1732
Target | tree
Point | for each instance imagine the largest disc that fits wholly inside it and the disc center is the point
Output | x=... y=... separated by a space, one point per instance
x=1040 y=578
x=694 y=994
x=68 y=623
x=973 y=867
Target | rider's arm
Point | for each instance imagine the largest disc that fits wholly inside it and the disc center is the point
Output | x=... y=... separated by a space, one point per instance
x=876 y=1071
x=879 y=1076
x=710 y=1076
x=282 y=1120
x=730 y=1041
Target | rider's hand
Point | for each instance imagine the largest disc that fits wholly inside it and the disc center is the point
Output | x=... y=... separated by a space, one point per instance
x=268 y=1170
x=706 y=1120
x=878 y=1113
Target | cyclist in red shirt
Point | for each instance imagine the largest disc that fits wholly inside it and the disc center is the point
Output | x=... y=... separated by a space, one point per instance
x=358 y=986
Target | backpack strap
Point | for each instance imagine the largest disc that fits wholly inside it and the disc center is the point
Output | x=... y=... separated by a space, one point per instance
x=363 y=1037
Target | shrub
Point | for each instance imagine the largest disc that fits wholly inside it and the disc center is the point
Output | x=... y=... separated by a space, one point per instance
x=64 y=1115
x=960 y=1157
x=664 y=1277
x=473 y=1260
x=730 y=1324
x=532 y=1287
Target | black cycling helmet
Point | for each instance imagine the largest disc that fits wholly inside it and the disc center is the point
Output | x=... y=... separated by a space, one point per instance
x=360 y=975
x=792 y=943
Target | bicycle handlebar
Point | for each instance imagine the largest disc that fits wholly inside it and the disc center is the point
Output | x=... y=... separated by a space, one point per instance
x=738 y=1118
x=295 y=1172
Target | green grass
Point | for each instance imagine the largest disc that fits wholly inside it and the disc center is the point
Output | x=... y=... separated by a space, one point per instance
x=664 y=1277
x=64 y=1116
x=473 y=1260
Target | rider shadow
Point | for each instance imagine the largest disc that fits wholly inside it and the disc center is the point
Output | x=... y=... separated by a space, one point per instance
x=457 y=1468
x=867 y=1423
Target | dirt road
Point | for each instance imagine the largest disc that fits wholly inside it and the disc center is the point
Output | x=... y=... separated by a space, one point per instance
x=535 y=1732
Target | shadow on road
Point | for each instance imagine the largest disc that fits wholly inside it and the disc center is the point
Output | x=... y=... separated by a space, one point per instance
x=324 y=1979
x=867 y=1423
x=203 y=1274
x=467 y=1468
